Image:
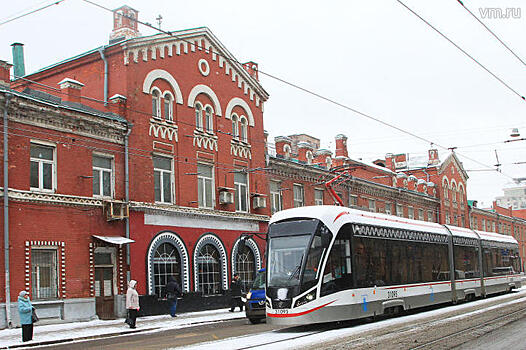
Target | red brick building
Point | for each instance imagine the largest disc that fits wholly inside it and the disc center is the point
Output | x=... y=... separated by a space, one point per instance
x=187 y=179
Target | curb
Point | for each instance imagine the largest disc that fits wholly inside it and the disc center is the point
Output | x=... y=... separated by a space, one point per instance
x=91 y=337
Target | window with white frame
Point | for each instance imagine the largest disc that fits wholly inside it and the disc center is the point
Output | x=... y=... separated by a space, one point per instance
x=483 y=224
x=209 y=121
x=493 y=226
x=318 y=196
x=448 y=219
x=243 y=130
x=166 y=264
x=205 y=186
x=275 y=195
x=299 y=195
x=388 y=208
x=209 y=270
x=44 y=269
x=411 y=212
x=353 y=201
x=372 y=205
x=445 y=186
x=156 y=103
x=198 y=116
x=102 y=176
x=235 y=127
x=245 y=262
x=399 y=210
x=454 y=192
x=163 y=175
x=168 y=107
x=42 y=167
x=430 y=216
x=421 y=214
x=461 y=195
x=241 y=191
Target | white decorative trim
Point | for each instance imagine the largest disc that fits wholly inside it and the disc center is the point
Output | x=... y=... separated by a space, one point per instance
x=239 y=149
x=168 y=237
x=203 y=89
x=60 y=247
x=236 y=101
x=162 y=74
x=204 y=70
x=162 y=129
x=204 y=140
x=91 y=270
x=216 y=242
x=253 y=246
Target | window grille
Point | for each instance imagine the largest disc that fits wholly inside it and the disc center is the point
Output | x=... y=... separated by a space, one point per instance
x=166 y=264
x=44 y=273
x=246 y=268
x=209 y=270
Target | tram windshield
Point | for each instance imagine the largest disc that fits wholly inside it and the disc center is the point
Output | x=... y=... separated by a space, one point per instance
x=295 y=250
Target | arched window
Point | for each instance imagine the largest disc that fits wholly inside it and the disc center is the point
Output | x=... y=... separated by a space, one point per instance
x=198 y=116
x=453 y=192
x=461 y=194
x=168 y=107
x=208 y=120
x=235 y=128
x=243 y=127
x=209 y=270
x=309 y=157
x=166 y=264
x=445 y=186
x=246 y=267
x=156 y=103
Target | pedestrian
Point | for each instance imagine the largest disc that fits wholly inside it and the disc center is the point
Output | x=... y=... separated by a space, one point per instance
x=132 y=303
x=235 y=294
x=173 y=290
x=25 y=310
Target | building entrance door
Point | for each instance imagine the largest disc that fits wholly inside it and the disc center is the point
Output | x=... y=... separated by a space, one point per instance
x=104 y=285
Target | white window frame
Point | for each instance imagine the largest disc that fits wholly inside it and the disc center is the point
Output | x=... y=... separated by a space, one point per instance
x=161 y=179
x=411 y=213
x=421 y=214
x=276 y=197
x=157 y=99
x=399 y=210
x=371 y=204
x=388 y=208
x=298 y=202
x=204 y=180
x=41 y=163
x=353 y=200
x=317 y=199
x=169 y=117
x=101 y=177
x=238 y=193
x=54 y=273
x=243 y=129
x=208 y=119
x=198 y=110
x=235 y=126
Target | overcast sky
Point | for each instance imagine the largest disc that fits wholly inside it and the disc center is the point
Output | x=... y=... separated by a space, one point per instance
x=372 y=56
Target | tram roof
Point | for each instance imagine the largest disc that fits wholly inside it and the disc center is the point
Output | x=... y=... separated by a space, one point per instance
x=335 y=217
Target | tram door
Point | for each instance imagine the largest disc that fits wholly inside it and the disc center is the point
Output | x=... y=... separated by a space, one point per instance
x=104 y=295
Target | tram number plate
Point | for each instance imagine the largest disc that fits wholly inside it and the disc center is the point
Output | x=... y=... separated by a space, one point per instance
x=392 y=294
x=282 y=311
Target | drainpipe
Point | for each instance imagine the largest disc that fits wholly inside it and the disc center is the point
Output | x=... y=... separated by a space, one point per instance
x=127 y=192
x=6 y=217
x=101 y=52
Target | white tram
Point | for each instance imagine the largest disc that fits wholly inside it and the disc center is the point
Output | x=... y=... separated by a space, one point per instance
x=331 y=263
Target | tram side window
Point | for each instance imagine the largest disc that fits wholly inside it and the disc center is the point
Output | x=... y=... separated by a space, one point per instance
x=337 y=275
x=466 y=262
x=499 y=261
x=370 y=261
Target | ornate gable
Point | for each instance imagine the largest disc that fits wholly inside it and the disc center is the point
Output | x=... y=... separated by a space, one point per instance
x=453 y=160
x=189 y=41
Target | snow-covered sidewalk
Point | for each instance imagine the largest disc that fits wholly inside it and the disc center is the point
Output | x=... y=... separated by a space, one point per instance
x=65 y=332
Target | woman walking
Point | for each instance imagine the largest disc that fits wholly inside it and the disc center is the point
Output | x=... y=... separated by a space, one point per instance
x=25 y=310
x=132 y=303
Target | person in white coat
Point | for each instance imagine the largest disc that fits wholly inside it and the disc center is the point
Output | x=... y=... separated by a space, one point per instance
x=132 y=303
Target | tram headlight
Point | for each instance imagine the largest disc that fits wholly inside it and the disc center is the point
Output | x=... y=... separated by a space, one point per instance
x=306 y=298
x=249 y=295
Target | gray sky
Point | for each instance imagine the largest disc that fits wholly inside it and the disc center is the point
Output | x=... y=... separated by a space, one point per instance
x=373 y=56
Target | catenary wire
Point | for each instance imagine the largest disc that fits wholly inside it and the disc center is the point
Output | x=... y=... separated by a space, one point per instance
x=461 y=49
x=491 y=32
x=31 y=12
x=316 y=94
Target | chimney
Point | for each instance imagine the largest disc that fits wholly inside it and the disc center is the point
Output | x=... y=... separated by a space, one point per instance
x=5 y=69
x=431 y=189
x=252 y=69
x=283 y=146
x=341 y=146
x=305 y=152
x=323 y=157
x=124 y=24
x=18 y=60
x=70 y=90
x=433 y=157
x=118 y=104
x=389 y=162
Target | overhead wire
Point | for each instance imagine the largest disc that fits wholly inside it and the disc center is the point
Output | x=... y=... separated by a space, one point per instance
x=31 y=12
x=491 y=32
x=462 y=50
x=310 y=92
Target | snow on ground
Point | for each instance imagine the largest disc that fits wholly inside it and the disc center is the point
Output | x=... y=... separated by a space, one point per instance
x=296 y=340
x=97 y=328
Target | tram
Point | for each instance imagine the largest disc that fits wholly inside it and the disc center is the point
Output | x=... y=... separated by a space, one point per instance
x=331 y=263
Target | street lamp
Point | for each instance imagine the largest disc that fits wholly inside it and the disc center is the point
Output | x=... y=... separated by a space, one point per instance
x=515 y=132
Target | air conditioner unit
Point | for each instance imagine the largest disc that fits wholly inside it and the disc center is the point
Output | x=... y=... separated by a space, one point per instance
x=115 y=210
x=226 y=197
x=259 y=202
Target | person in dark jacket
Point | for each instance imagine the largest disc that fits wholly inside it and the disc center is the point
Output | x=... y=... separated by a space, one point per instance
x=235 y=294
x=173 y=290
x=25 y=310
